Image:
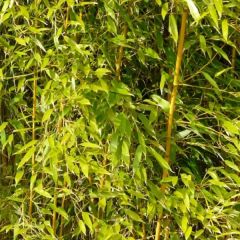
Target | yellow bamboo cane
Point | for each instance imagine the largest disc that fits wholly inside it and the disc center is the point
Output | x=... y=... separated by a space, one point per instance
x=172 y=108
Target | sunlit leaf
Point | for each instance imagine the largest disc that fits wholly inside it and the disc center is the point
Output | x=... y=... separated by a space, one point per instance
x=26 y=157
x=173 y=29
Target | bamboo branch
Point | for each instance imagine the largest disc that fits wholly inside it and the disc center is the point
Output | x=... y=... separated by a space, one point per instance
x=172 y=108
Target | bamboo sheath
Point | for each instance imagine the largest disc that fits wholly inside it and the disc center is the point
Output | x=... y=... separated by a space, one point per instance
x=172 y=108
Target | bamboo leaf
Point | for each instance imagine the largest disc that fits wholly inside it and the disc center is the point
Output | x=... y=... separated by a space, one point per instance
x=164 y=10
x=3 y=126
x=162 y=162
x=26 y=157
x=18 y=176
x=211 y=80
x=184 y=224
x=151 y=53
x=225 y=29
x=87 y=220
x=222 y=53
x=133 y=215
x=193 y=10
x=213 y=14
x=203 y=44
x=90 y=145
x=42 y=192
x=219 y=6
x=82 y=227
x=188 y=232
x=232 y=165
x=26 y=146
x=47 y=115
x=173 y=28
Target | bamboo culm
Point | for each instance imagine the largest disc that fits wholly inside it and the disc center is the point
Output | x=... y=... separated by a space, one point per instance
x=172 y=108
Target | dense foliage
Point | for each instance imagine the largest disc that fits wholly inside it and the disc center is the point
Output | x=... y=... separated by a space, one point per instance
x=86 y=89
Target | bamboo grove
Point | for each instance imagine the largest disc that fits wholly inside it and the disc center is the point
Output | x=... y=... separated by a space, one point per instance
x=119 y=119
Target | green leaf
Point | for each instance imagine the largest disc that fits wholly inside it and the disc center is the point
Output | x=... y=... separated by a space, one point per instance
x=164 y=77
x=221 y=52
x=161 y=102
x=159 y=2
x=90 y=145
x=219 y=6
x=87 y=220
x=18 y=176
x=213 y=14
x=82 y=227
x=138 y=157
x=33 y=180
x=133 y=215
x=173 y=28
x=184 y=224
x=183 y=134
x=210 y=80
x=100 y=72
x=70 y=164
x=203 y=44
x=222 y=71
x=85 y=168
x=225 y=29
x=188 y=232
x=231 y=127
x=232 y=165
x=21 y=41
x=125 y=153
x=172 y=179
x=213 y=83
x=47 y=115
x=42 y=192
x=162 y=162
x=3 y=126
x=151 y=53
x=193 y=10
x=164 y=10
x=198 y=233
x=26 y=146
x=26 y=157
x=61 y=212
